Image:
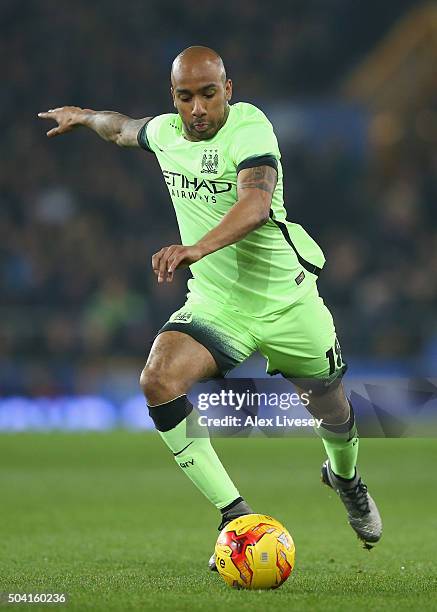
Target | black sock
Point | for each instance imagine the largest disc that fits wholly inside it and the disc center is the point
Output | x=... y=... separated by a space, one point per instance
x=169 y=414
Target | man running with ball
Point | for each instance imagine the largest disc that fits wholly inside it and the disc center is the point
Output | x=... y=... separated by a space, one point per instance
x=254 y=278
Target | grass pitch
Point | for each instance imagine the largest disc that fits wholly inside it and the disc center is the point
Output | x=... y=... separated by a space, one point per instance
x=111 y=521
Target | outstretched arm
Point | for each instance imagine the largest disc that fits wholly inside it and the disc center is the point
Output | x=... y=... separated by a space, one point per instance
x=255 y=187
x=109 y=125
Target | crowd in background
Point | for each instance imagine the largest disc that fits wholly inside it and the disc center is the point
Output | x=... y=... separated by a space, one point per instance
x=80 y=219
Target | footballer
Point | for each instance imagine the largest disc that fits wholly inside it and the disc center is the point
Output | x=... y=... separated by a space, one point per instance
x=254 y=278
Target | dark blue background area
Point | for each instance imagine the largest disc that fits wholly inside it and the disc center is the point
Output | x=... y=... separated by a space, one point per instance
x=80 y=219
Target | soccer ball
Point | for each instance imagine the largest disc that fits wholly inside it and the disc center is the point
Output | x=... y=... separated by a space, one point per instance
x=254 y=552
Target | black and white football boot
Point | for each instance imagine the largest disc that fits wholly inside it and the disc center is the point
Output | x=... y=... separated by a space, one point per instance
x=363 y=515
x=240 y=508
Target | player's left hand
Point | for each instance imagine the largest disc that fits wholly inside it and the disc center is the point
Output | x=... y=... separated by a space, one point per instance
x=169 y=259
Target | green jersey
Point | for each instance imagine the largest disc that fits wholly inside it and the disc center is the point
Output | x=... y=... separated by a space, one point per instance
x=274 y=265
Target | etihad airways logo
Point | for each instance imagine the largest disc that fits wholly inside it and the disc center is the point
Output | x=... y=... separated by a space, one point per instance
x=182 y=186
x=180 y=181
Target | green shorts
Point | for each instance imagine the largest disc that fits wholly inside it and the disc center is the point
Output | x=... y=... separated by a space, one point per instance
x=299 y=342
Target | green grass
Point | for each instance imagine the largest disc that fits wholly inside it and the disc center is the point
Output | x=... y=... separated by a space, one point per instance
x=110 y=520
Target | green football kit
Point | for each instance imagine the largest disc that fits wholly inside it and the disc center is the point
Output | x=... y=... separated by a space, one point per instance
x=259 y=293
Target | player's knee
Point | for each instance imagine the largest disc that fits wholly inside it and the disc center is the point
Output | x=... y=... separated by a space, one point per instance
x=153 y=382
x=157 y=386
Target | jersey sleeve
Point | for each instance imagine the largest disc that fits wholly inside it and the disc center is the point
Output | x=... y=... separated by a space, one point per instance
x=156 y=132
x=142 y=137
x=255 y=144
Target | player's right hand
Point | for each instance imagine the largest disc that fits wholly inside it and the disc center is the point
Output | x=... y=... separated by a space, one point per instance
x=67 y=117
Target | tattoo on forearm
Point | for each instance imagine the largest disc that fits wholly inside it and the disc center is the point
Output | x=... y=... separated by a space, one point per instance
x=261 y=177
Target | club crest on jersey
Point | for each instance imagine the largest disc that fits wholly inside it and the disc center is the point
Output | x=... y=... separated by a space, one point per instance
x=182 y=317
x=210 y=161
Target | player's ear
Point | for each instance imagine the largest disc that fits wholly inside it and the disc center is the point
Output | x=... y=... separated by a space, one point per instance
x=172 y=95
x=228 y=90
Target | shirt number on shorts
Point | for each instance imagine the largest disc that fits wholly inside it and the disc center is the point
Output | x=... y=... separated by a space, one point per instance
x=334 y=357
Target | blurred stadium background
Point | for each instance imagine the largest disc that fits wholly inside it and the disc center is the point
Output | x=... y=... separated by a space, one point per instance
x=107 y=517
x=351 y=89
